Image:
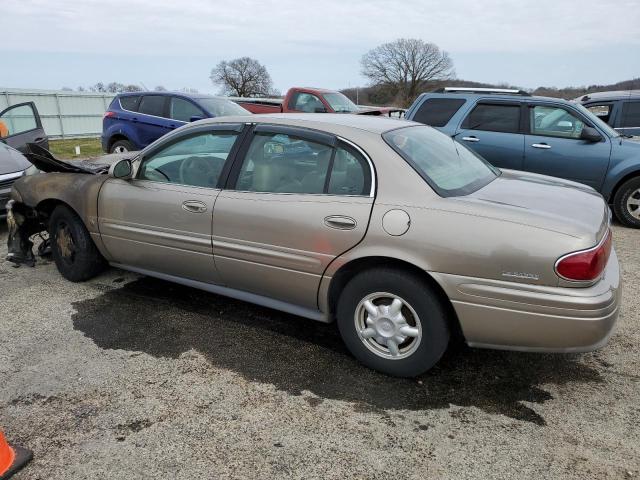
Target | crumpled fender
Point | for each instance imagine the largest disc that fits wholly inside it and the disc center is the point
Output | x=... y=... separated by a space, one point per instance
x=21 y=227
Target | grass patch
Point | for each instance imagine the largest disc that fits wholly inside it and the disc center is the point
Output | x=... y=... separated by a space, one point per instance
x=66 y=148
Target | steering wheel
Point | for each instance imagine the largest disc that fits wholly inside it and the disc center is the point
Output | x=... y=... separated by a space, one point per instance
x=198 y=171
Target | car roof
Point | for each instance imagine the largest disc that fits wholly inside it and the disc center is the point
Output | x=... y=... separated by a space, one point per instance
x=331 y=122
x=494 y=96
x=612 y=95
x=194 y=96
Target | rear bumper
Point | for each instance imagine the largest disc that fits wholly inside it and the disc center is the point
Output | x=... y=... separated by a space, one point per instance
x=510 y=316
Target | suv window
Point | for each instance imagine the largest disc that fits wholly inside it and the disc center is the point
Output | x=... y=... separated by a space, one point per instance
x=18 y=119
x=554 y=122
x=305 y=102
x=280 y=163
x=602 y=111
x=494 y=118
x=152 y=105
x=631 y=114
x=183 y=110
x=196 y=160
x=437 y=111
x=130 y=102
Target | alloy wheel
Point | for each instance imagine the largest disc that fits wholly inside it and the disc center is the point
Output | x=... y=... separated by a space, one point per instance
x=388 y=325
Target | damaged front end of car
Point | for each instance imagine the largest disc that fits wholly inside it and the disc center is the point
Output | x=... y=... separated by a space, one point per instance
x=24 y=222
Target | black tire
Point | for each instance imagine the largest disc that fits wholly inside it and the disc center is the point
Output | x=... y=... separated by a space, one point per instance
x=72 y=247
x=124 y=145
x=419 y=296
x=628 y=190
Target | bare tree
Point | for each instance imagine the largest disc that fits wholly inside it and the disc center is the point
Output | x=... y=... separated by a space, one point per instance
x=160 y=88
x=242 y=77
x=406 y=65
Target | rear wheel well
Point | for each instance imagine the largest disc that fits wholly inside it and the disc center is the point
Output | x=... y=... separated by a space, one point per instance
x=624 y=179
x=351 y=269
x=114 y=138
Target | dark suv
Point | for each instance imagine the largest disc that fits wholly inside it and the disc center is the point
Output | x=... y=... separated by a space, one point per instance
x=621 y=110
x=134 y=120
x=514 y=130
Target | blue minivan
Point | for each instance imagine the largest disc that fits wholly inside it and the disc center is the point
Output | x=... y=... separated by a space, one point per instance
x=134 y=120
x=514 y=130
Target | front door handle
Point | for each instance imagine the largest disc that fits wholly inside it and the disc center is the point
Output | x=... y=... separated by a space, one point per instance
x=340 y=222
x=194 y=206
x=471 y=139
x=544 y=146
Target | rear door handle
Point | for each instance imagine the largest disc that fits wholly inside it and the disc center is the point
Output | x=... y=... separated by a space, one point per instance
x=541 y=145
x=471 y=139
x=194 y=206
x=38 y=140
x=340 y=222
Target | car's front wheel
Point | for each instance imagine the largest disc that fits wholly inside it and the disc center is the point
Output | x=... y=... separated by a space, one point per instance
x=393 y=322
x=626 y=203
x=72 y=247
x=122 y=146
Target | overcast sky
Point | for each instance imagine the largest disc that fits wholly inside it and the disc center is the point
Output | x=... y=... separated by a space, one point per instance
x=54 y=43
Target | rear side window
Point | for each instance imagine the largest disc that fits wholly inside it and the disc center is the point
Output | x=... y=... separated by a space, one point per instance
x=350 y=173
x=183 y=110
x=494 y=118
x=631 y=114
x=130 y=103
x=438 y=111
x=152 y=105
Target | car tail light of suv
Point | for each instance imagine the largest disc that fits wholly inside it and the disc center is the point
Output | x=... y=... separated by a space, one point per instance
x=109 y=114
x=585 y=265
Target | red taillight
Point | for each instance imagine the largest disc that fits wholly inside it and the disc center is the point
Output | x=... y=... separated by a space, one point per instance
x=109 y=114
x=585 y=265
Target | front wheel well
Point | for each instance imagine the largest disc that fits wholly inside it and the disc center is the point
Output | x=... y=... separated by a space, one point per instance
x=351 y=269
x=620 y=182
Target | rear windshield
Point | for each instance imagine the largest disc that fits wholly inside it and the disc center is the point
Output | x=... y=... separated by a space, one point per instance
x=450 y=168
x=220 y=107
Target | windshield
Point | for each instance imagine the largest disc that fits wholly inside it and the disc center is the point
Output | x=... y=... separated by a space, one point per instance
x=450 y=168
x=339 y=103
x=219 y=107
x=597 y=121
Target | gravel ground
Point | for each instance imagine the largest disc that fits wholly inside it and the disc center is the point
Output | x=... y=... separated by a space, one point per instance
x=129 y=377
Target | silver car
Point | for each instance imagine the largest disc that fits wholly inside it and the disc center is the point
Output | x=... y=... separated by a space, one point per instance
x=13 y=165
x=393 y=229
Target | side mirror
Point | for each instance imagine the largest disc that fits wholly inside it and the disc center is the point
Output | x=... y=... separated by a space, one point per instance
x=121 y=169
x=320 y=110
x=590 y=134
x=195 y=118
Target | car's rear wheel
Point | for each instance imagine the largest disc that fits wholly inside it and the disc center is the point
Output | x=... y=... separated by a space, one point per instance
x=393 y=322
x=72 y=248
x=122 y=146
x=626 y=203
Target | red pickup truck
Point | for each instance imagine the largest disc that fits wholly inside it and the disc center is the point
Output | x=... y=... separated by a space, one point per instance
x=312 y=100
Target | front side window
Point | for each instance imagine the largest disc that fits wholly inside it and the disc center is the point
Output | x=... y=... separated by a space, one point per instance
x=306 y=102
x=448 y=167
x=152 y=105
x=631 y=115
x=280 y=163
x=196 y=160
x=494 y=118
x=603 y=111
x=182 y=110
x=18 y=119
x=551 y=121
x=220 y=107
x=437 y=112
